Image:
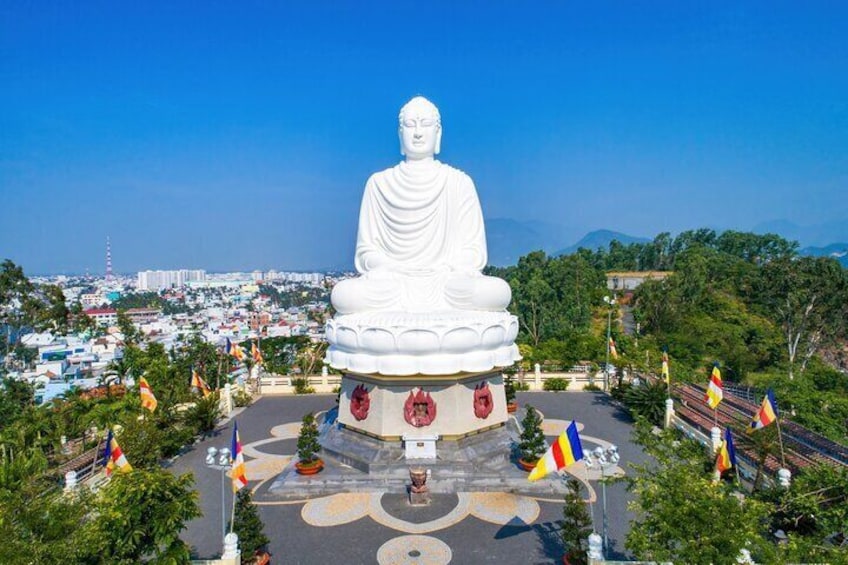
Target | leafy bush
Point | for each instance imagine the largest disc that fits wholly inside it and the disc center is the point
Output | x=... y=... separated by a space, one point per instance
x=242 y=398
x=301 y=386
x=556 y=384
x=647 y=401
x=618 y=391
x=591 y=387
x=521 y=387
x=204 y=415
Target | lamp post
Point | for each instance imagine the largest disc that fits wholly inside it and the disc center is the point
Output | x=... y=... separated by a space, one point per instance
x=222 y=464
x=603 y=458
x=611 y=302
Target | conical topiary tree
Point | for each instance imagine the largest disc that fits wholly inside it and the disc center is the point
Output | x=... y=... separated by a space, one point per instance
x=532 y=444
x=248 y=526
x=576 y=524
x=307 y=442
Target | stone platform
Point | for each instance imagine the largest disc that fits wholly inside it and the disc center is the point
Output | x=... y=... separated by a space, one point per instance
x=354 y=462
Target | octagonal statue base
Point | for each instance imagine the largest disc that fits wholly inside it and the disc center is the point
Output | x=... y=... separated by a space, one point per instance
x=452 y=396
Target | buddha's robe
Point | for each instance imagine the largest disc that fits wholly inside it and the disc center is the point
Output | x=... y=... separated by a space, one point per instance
x=421 y=245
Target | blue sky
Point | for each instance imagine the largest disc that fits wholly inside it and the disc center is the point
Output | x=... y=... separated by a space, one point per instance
x=239 y=135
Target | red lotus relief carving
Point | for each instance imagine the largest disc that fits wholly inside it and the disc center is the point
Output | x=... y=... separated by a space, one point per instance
x=419 y=409
x=360 y=402
x=483 y=404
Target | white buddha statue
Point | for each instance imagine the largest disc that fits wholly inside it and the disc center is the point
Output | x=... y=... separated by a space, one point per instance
x=421 y=243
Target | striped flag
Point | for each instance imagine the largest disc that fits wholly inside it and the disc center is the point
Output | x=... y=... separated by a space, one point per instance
x=236 y=350
x=565 y=451
x=114 y=458
x=613 y=351
x=766 y=414
x=237 y=472
x=726 y=454
x=715 y=392
x=147 y=399
x=665 y=375
x=256 y=353
x=199 y=384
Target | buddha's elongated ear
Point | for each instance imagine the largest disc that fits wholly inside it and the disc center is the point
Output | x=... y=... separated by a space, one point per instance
x=438 y=148
x=400 y=140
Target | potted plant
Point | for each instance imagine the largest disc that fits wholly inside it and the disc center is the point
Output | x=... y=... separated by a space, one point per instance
x=509 y=391
x=576 y=525
x=532 y=444
x=308 y=447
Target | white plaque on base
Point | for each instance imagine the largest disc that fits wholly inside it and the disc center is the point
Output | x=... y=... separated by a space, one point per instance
x=420 y=447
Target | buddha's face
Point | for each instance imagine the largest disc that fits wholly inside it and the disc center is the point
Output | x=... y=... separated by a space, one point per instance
x=420 y=130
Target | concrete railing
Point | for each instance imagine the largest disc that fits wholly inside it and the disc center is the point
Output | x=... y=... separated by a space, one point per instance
x=577 y=377
x=273 y=384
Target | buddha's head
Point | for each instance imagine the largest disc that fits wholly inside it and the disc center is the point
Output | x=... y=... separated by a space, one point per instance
x=420 y=129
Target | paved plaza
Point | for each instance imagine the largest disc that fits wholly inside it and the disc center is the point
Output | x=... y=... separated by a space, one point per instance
x=465 y=528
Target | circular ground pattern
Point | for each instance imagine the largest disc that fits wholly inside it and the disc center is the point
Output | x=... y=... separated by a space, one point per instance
x=336 y=509
x=414 y=550
x=504 y=508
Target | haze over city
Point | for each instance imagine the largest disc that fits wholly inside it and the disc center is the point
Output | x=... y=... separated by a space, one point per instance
x=231 y=138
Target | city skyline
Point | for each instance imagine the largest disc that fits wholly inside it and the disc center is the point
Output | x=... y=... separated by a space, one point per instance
x=234 y=140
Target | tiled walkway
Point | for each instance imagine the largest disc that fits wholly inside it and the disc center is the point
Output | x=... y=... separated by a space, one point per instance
x=381 y=527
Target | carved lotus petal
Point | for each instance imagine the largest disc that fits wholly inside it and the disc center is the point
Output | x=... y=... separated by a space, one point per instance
x=418 y=342
x=493 y=337
x=460 y=340
x=378 y=341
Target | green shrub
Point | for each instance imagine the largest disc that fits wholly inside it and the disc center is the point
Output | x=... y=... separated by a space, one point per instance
x=248 y=525
x=647 y=401
x=532 y=444
x=301 y=386
x=307 y=441
x=242 y=398
x=509 y=389
x=592 y=387
x=556 y=384
x=618 y=391
x=204 y=415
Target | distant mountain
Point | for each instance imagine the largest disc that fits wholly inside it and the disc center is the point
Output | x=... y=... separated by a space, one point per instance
x=601 y=239
x=838 y=251
x=814 y=235
x=509 y=239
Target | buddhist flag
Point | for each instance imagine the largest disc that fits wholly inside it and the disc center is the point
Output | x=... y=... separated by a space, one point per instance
x=766 y=414
x=726 y=454
x=199 y=384
x=237 y=472
x=715 y=392
x=565 y=451
x=147 y=399
x=114 y=458
x=237 y=351
x=612 y=349
x=665 y=375
x=256 y=353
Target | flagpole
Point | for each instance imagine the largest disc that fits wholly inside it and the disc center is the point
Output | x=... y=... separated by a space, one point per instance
x=588 y=484
x=218 y=375
x=715 y=416
x=780 y=441
x=233 y=515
